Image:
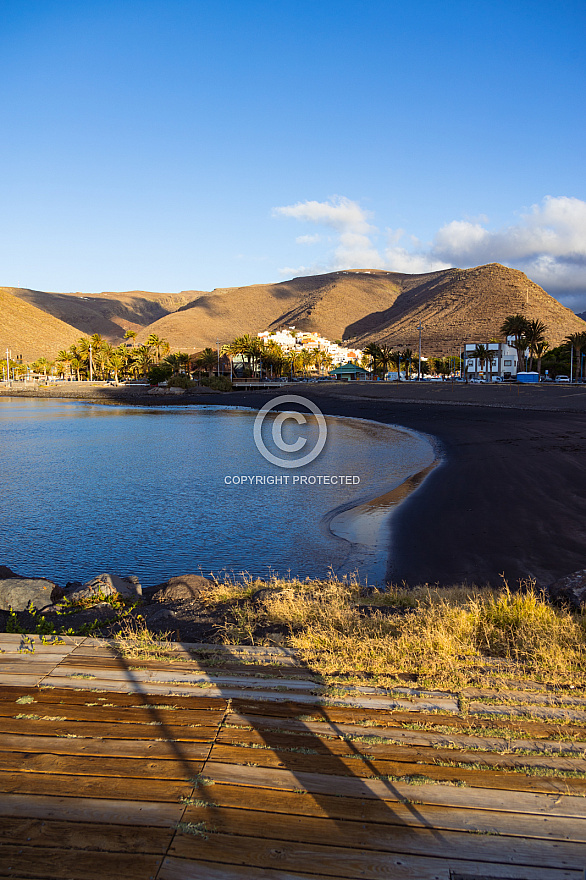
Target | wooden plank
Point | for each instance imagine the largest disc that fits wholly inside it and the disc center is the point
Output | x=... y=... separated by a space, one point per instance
x=155 y=814
x=342 y=861
x=525 y=696
x=383 y=837
x=482 y=821
x=75 y=765
x=102 y=836
x=26 y=667
x=235 y=667
x=413 y=737
x=226 y=693
x=186 y=869
x=81 y=697
x=344 y=765
x=377 y=717
x=564 y=715
x=107 y=730
x=119 y=715
x=14 y=679
x=282 y=740
x=55 y=864
x=115 y=748
x=439 y=794
x=10 y=639
x=95 y=786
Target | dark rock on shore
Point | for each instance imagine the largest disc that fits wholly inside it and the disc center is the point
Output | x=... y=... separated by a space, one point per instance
x=17 y=593
x=180 y=589
x=570 y=590
x=105 y=585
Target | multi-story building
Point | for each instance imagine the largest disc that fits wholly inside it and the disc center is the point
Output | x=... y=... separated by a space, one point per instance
x=504 y=363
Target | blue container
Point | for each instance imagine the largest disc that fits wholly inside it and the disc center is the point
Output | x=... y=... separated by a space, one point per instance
x=527 y=378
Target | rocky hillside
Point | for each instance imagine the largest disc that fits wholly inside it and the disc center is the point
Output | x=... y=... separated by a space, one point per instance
x=109 y=314
x=454 y=306
x=30 y=332
x=463 y=305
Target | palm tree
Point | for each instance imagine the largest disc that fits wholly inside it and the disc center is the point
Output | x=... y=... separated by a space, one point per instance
x=483 y=355
x=63 y=360
x=207 y=360
x=385 y=355
x=539 y=349
x=143 y=358
x=395 y=360
x=514 y=325
x=160 y=345
x=534 y=334
x=372 y=350
x=408 y=360
x=130 y=334
x=577 y=341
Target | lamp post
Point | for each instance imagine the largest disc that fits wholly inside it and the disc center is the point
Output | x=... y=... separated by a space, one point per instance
x=419 y=368
x=7 y=368
x=91 y=365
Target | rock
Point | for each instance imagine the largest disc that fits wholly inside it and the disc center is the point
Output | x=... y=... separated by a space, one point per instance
x=265 y=593
x=177 y=589
x=17 y=593
x=175 y=390
x=570 y=590
x=106 y=585
x=6 y=572
x=102 y=612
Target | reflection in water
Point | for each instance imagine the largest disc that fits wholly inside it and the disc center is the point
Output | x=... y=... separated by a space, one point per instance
x=89 y=488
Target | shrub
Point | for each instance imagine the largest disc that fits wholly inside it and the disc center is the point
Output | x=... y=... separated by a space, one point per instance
x=217 y=383
x=180 y=381
x=159 y=373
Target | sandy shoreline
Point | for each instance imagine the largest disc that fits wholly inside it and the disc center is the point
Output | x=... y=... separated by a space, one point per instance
x=510 y=496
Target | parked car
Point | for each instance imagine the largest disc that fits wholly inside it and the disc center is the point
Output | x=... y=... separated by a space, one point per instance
x=561 y=378
x=476 y=381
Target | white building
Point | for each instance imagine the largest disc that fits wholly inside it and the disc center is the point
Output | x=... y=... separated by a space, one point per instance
x=292 y=340
x=504 y=364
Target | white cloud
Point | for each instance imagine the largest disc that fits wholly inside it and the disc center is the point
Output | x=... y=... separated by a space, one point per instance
x=308 y=239
x=547 y=242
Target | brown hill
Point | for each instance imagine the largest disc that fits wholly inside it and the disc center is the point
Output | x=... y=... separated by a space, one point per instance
x=30 y=332
x=453 y=305
x=109 y=314
x=463 y=305
x=323 y=303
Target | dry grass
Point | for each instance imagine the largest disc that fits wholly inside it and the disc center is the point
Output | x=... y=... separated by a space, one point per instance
x=449 y=638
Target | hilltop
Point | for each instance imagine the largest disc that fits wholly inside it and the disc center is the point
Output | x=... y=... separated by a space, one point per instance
x=357 y=306
x=109 y=314
x=453 y=305
x=30 y=332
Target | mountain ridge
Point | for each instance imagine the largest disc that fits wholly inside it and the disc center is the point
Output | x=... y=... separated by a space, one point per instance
x=355 y=305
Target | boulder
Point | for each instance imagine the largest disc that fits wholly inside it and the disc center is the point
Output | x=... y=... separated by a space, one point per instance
x=6 y=572
x=180 y=589
x=105 y=585
x=570 y=590
x=17 y=593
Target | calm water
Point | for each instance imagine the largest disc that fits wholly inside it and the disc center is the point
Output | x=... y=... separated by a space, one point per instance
x=88 y=488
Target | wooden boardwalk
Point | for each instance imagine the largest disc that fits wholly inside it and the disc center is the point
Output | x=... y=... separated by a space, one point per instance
x=242 y=765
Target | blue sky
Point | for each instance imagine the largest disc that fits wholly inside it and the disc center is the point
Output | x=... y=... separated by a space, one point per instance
x=188 y=145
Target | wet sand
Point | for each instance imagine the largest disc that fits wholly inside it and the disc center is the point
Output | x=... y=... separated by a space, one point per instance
x=509 y=497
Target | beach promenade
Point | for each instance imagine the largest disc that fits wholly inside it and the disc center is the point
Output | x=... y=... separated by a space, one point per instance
x=230 y=762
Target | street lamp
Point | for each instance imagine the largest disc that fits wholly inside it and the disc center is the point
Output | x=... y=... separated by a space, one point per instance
x=91 y=365
x=419 y=370
x=218 y=347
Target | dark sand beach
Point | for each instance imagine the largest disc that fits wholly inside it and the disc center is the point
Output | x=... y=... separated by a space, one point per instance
x=509 y=497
